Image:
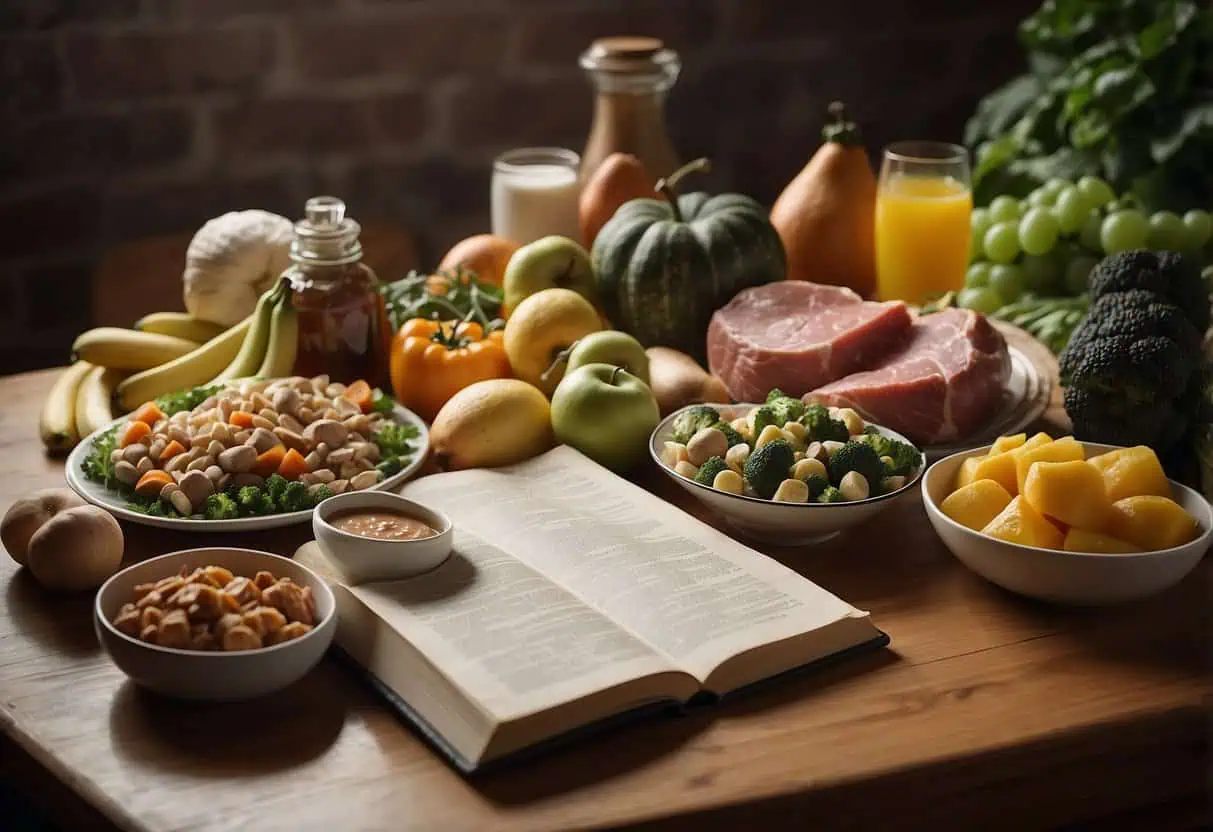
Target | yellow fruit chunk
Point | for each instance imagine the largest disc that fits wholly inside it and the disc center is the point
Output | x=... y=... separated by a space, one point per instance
x=1071 y=491
x=1007 y=443
x=1000 y=468
x=1022 y=524
x=1035 y=441
x=1081 y=540
x=1151 y=522
x=1059 y=450
x=967 y=474
x=976 y=504
x=1132 y=472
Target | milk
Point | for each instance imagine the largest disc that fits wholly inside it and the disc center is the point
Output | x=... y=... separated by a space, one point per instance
x=530 y=201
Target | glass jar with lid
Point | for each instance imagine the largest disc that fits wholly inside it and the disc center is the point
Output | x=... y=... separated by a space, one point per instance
x=631 y=77
x=343 y=324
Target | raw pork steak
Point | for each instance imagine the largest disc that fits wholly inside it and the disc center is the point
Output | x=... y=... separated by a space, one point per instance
x=797 y=336
x=942 y=385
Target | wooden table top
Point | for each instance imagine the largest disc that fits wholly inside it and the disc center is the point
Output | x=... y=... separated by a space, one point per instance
x=988 y=711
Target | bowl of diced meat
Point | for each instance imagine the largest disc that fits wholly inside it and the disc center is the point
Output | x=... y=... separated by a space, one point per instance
x=216 y=624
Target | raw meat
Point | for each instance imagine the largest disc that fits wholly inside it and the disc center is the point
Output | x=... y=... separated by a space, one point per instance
x=942 y=385
x=797 y=336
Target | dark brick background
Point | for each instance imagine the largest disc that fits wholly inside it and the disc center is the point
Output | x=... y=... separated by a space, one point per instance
x=126 y=118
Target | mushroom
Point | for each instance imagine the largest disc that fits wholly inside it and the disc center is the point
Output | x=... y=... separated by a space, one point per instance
x=329 y=431
x=197 y=487
x=365 y=480
x=262 y=440
x=134 y=453
x=286 y=400
x=238 y=459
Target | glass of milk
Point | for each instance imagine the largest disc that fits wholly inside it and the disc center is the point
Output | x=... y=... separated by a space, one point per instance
x=535 y=193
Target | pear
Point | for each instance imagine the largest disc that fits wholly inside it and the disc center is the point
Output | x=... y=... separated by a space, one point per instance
x=826 y=216
x=621 y=177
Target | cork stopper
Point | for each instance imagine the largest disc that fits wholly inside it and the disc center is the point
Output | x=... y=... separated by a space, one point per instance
x=629 y=59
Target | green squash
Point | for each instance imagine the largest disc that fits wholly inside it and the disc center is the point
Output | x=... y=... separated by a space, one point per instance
x=663 y=266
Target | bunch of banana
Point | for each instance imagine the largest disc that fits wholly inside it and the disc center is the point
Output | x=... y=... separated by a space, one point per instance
x=180 y=325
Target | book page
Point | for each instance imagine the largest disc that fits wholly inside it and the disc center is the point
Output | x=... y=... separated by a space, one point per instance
x=506 y=636
x=689 y=591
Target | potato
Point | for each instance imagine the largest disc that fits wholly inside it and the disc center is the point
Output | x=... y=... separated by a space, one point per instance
x=75 y=550
x=1000 y=468
x=1022 y=524
x=1007 y=443
x=1151 y=522
x=1132 y=472
x=976 y=504
x=1072 y=492
x=1059 y=450
x=1081 y=540
x=27 y=515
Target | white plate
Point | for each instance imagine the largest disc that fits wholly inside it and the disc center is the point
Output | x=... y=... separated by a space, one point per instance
x=1025 y=398
x=115 y=504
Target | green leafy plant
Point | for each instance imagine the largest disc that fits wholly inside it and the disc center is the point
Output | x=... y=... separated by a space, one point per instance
x=446 y=296
x=1120 y=89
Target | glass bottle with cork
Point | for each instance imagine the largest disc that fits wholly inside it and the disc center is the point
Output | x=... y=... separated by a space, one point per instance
x=343 y=325
x=631 y=77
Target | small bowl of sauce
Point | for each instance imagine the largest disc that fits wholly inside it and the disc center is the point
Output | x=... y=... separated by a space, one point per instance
x=380 y=536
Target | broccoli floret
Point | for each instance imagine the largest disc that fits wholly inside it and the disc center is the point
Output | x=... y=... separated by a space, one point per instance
x=859 y=457
x=1138 y=313
x=690 y=422
x=763 y=416
x=1171 y=276
x=768 y=466
x=905 y=456
x=275 y=485
x=733 y=436
x=786 y=408
x=830 y=495
x=710 y=468
x=390 y=465
x=821 y=427
x=1115 y=420
x=220 y=507
x=254 y=502
x=817 y=485
x=320 y=495
x=295 y=497
x=1143 y=370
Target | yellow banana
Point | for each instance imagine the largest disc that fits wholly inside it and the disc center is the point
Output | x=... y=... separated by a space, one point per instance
x=180 y=325
x=128 y=349
x=252 y=351
x=57 y=422
x=190 y=370
x=93 y=410
x=283 y=341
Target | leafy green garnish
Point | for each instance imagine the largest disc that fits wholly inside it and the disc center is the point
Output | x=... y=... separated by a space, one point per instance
x=171 y=403
x=460 y=294
x=97 y=466
x=382 y=403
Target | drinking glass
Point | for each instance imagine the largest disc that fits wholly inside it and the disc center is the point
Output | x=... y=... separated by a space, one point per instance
x=923 y=203
x=535 y=193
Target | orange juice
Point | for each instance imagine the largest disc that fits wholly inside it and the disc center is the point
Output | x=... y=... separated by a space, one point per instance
x=922 y=237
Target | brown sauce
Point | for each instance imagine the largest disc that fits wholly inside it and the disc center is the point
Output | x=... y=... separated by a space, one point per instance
x=381 y=525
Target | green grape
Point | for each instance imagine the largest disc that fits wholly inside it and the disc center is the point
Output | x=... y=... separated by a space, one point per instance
x=1198 y=228
x=1055 y=186
x=1095 y=191
x=980 y=299
x=1124 y=230
x=1007 y=281
x=979 y=220
x=1207 y=274
x=1001 y=242
x=1166 y=232
x=1071 y=210
x=979 y=223
x=1040 y=198
x=1088 y=235
x=1003 y=208
x=1041 y=273
x=1037 y=231
x=978 y=275
x=1078 y=270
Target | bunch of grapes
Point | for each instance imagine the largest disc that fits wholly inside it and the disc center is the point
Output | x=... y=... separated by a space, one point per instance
x=1047 y=244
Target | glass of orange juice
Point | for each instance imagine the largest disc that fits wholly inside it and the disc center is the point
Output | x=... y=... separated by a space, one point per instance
x=923 y=204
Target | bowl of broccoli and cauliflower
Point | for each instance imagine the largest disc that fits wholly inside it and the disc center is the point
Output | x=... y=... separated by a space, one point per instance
x=784 y=471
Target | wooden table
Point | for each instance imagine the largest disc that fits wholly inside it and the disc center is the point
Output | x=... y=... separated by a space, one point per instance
x=988 y=712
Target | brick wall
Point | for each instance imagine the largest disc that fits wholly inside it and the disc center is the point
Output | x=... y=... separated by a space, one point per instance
x=125 y=118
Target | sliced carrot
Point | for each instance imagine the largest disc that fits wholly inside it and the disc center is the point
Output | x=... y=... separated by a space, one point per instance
x=360 y=394
x=293 y=465
x=268 y=462
x=171 y=450
x=136 y=431
x=240 y=419
x=148 y=412
x=154 y=476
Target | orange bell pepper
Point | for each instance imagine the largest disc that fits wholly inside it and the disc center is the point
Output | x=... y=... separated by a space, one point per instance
x=433 y=360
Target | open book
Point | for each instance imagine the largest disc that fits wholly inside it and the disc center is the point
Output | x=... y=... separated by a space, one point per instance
x=573 y=596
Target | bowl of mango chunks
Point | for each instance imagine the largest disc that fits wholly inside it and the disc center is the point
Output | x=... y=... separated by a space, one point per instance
x=1066 y=521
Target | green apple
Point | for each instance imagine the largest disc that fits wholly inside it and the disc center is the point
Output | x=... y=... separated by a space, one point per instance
x=606 y=413
x=552 y=262
x=610 y=346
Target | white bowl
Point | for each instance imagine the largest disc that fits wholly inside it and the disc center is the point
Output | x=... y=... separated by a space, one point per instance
x=1085 y=578
x=788 y=524
x=365 y=559
x=213 y=676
